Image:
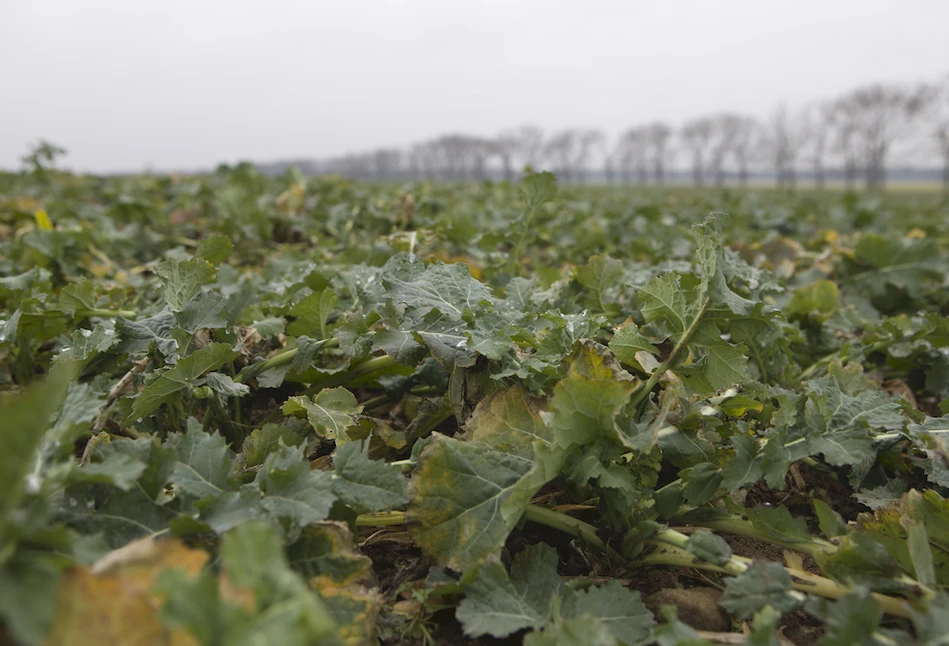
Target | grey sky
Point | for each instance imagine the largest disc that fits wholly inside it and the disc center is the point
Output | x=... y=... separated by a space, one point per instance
x=188 y=83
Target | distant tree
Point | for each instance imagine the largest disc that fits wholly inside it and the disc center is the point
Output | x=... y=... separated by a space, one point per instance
x=630 y=152
x=696 y=136
x=42 y=157
x=656 y=137
x=784 y=136
x=522 y=147
x=741 y=133
x=937 y=117
x=817 y=127
x=589 y=142
x=879 y=116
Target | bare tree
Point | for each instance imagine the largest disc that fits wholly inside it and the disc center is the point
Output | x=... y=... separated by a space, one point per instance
x=589 y=141
x=739 y=133
x=526 y=146
x=784 y=137
x=696 y=135
x=817 y=125
x=937 y=115
x=630 y=152
x=844 y=119
x=883 y=114
x=656 y=136
x=559 y=151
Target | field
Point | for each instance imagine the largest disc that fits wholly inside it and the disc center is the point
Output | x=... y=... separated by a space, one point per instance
x=245 y=410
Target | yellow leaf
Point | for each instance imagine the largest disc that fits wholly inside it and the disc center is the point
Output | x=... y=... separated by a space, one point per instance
x=112 y=602
x=43 y=221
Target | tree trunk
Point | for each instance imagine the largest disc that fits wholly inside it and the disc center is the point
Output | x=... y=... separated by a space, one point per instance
x=945 y=175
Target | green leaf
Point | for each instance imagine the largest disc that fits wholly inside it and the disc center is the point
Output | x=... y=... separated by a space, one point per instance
x=265 y=440
x=367 y=486
x=465 y=498
x=584 y=410
x=602 y=276
x=448 y=288
x=311 y=314
x=663 y=300
x=139 y=336
x=777 y=523
x=762 y=584
x=851 y=620
x=327 y=550
x=627 y=341
x=745 y=468
x=26 y=417
x=580 y=631
x=204 y=311
x=701 y=483
x=820 y=298
x=85 y=343
x=330 y=412
x=205 y=465
x=223 y=384
x=498 y=605
x=292 y=491
x=709 y=547
x=215 y=249
x=288 y=611
x=538 y=188
x=183 y=280
x=270 y=328
x=27 y=592
x=508 y=420
x=77 y=296
x=830 y=523
x=616 y=608
x=181 y=377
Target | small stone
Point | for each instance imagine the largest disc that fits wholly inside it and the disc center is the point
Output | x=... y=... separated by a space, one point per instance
x=697 y=607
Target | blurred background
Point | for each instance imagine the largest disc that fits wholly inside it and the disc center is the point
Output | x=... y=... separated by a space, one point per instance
x=849 y=93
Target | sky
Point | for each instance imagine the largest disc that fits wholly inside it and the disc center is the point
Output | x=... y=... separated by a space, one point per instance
x=126 y=85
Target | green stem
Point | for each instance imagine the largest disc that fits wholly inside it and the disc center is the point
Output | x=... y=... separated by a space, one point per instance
x=640 y=394
x=670 y=554
x=670 y=551
x=375 y=402
x=361 y=369
x=230 y=432
x=85 y=313
x=570 y=525
x=519 y=247
x=384 y=519
x=278 y=360
x=814 y=547
x=436 y=418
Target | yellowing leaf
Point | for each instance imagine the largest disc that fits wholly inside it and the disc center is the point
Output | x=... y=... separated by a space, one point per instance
x=43 y=221
x=112 y=602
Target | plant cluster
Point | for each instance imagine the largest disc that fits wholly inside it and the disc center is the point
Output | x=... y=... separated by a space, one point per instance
x=247 y=410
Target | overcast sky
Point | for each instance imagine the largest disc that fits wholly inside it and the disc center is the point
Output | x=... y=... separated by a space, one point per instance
x=123 y=84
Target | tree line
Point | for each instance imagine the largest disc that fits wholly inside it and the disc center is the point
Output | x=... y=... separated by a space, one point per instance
x=853 y=137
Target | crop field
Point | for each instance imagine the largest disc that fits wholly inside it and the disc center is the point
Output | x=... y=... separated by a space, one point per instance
x=239 y=409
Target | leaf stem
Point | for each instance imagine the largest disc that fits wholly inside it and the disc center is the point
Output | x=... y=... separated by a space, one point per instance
x=357 y=370
x=85 y=313
x=741 y=527
x=573 y=526
x=280 y=359
x=640 y=394
x=383 y=519
x=670 y=554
